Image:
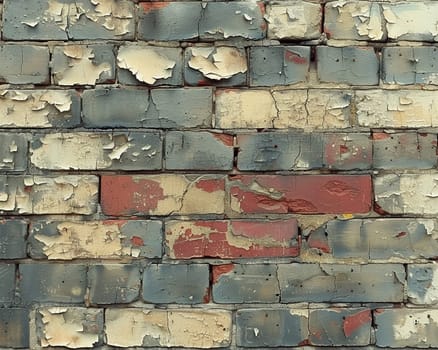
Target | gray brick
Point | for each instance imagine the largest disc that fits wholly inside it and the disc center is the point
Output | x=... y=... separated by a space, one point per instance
x=118 y=150
x=39 y=108
x=14 y=328
x=33 y=67
x=164 y=65
x=423 y=284
x=280 y=151
x=271 y=327
x=334 y=327
x=215 y=65
x=52 y=283
x=13 y=151
x=83 y=64
x=66 y=19
x=13 y=239
x=341 y=283
x=7 y=285
x=238 y=283
x=182 y=284
x=113 y=283
x=198 y=150
x=162 y=108
x=404 y=151
x=406 y=327
x=350 y=65
x=278 y=65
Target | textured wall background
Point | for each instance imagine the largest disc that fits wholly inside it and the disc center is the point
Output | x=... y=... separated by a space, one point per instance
x=218 y=174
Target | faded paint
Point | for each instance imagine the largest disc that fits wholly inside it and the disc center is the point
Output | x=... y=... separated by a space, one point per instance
x=423 y=284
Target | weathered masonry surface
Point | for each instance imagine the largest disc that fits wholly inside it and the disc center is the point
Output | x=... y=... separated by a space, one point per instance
x=210 y=174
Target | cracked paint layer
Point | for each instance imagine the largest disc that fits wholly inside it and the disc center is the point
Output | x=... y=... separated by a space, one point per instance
x=294 y=20
x=69 y=327
x=109 y=239
x=423 y=284
x=179 y=327
x=118 y=150
x=231 y=239
x=83 y=64
x=39 y=108
x=164 y=194
x=68 y=194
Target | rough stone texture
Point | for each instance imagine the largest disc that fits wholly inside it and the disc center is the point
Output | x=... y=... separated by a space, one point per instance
x=271 y=327
x=164 y=194
x=350 y=65
x=13 y=239
x=182 y=283
x=7 y=289
x=137 y=108
x=13 y=152
x=423 y=284
x=231 y=239
x=14 y=325
x=341 y=283
x=117 y=150
x=278 y=65
x=179 y=327
x=109 y=239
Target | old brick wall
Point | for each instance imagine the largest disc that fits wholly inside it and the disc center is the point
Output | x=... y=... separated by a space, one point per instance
x=218 y=174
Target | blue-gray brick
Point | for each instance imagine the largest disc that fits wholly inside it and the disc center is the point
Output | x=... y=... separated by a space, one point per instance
x=13 y=239
x=262 y=328
x=13 y=151
x=423 y=284
x=7 y=285
x=182 y=283
x=278 y=65
x=198 y=150
x=350 y=65
x=14 y=328
x=113 y=283
x=52 y=283
x=341 y=283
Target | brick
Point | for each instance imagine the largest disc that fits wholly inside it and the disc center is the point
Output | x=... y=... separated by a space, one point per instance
x=354 y=20
x=378 y=239
x=113 y=283
x=39 y=108
x=409 y=65
x=237 y=283
x=334 y=327
x=422 y=284
x=58 y=20
x=109 y=239
x=42 y=283
x=278 y=65
x=271 y=327
x=83 y=64
x=231 y=239
x=69 y=327
x=179 y=327
x=404 y=151
x=350 y=65
x=406 y=327
x=33 y=67
x=341 y=283
x=14 y=325
x=396 y=109
x=296 y=20
x=7 y=289
x=181 y=284
x=163 y=108
x=198 y=150
x=406 y=193
x=322 y=194
x=13 y=235
x=164 y=65
x=116 y=150
x=68 y=194
x=13 y=151
x=215 y=65
x=163 y=194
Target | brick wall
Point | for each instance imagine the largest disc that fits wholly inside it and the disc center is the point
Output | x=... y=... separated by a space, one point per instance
x=218 y=174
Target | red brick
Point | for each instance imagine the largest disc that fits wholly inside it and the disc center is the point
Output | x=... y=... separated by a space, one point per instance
x=308 y=194
x=232 y=239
